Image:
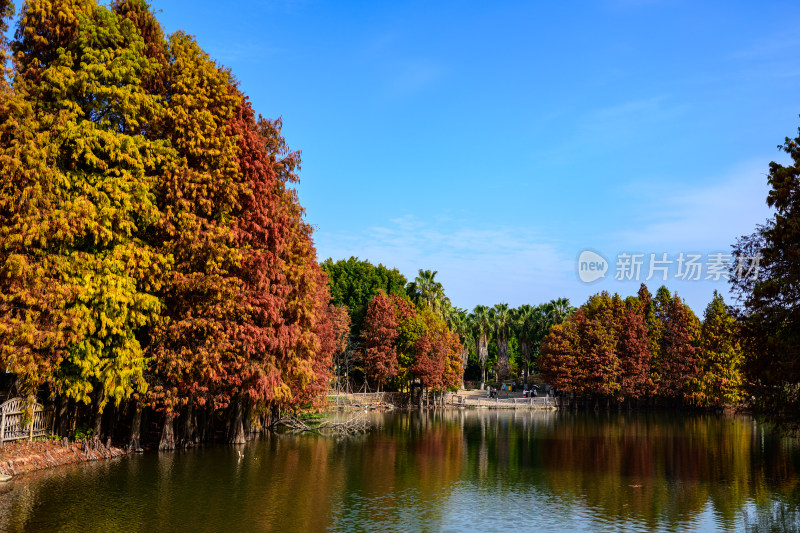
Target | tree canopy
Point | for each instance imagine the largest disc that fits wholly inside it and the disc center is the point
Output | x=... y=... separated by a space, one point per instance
x=770 y=295
x=646 y=349
x=152 y=247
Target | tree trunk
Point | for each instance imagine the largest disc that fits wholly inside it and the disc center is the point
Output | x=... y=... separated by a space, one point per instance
x=136 y=428
x=236 y=435
x=111 y=421
x=483 y=375
x=274 y=415
x=98 y=414
x=502 y=359
x=525 y=370
x=247 y=422
x=201 y=435
x=168 y=433
x=63 y=416
x=526 y=358
x=189 y=424
x=464 y=364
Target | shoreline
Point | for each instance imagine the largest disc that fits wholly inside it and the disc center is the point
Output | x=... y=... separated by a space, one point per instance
x=474 y=399
x=23 y=457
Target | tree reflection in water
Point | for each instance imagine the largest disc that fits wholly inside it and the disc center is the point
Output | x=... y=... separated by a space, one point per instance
x=454 y=470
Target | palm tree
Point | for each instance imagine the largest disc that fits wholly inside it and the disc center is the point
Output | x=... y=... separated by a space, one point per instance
x=543 y=319
x=501 y=321
x=524 y=321
x=482 y=331
x=561 y=309
x=425 y=289
x=545 y=316
x=459 y=323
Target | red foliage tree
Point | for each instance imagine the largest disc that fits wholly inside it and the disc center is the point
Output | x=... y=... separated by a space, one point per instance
x=340 y=323
x=428 y=364
x=680 y=361
x=380 y=336
x=437 y=355
x=633 y=350
x=288 y=337
x=597 y=356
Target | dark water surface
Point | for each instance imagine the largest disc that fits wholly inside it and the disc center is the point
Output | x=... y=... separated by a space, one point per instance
x=442 y=471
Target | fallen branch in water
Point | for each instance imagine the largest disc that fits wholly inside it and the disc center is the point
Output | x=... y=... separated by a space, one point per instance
x=352 y=426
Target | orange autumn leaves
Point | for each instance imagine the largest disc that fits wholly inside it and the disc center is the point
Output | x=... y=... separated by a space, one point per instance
x=160 y=253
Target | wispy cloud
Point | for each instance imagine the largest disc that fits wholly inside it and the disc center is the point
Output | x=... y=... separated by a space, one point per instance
x=412 y=76
x=701 y=217
x=614 y=126
x=476 y=264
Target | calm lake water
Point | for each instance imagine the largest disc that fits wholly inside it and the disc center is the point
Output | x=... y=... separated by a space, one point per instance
x=442 y=471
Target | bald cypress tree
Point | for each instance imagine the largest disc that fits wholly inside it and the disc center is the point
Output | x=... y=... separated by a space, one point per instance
x=91 y=204
x=152 y=244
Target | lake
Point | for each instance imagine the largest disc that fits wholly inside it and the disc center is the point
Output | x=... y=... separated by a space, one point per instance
x=451 y=470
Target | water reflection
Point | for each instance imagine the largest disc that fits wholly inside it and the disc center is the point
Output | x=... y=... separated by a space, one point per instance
x=443 y=470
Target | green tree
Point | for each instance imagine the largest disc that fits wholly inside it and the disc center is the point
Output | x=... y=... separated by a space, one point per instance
x=502 y=323
x=770 y=296
x=482 y=327
x=425 y=290
x=561 y=309
x=458 y=322
x=354 y=283
x=722 y=378
x=525 y=328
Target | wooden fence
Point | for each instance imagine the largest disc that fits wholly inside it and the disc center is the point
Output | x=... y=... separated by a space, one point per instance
x=15 y=425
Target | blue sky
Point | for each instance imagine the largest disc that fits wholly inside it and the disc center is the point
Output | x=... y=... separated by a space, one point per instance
x=494 y=142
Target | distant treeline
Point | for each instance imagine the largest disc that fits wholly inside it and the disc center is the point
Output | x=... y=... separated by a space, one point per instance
x=644 y=349
x=409 y=332
x=647 y=348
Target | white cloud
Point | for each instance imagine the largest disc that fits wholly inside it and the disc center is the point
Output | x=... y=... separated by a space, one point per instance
x=476 y=264
x=680 y=217
x=480 y=264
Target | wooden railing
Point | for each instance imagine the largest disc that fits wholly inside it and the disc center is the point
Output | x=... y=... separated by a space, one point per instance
x=366 y=398
x=15 y=425
x=537 y=402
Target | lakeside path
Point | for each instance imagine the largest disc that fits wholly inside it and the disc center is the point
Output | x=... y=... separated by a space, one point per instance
x=503 y=400
x=462 y=398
